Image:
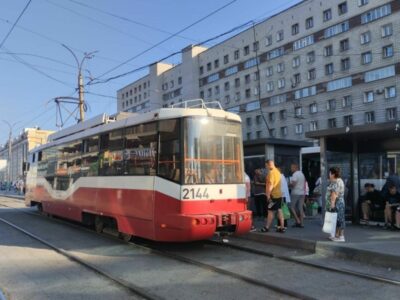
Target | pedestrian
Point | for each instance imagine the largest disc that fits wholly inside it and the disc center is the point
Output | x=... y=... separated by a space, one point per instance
x=370 y=201
x=335 y=202
x=274 y=197
x=298 y=193
x=285 y=193
x=392 y=212
x=260 y=200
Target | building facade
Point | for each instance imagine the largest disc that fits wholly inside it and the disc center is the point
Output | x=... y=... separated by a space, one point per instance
x=20 y=147
x=319 y=65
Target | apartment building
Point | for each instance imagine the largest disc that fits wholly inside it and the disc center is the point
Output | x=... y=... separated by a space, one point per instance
x=20 y=147
x=317 y=68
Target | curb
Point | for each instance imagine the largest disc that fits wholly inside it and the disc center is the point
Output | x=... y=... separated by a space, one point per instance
x=329 y=249
x=14 y=197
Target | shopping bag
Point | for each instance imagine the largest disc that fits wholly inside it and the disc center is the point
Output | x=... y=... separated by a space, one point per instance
x=330 y=222
x=285 y=211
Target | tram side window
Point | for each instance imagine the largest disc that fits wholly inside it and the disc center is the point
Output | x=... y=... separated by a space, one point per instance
x=169 y=156
x=47 y=165
x=68 y=165
x=111 y=153
x=90 y=157
x=140 y=149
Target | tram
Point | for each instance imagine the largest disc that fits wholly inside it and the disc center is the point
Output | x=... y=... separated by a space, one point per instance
x=173 y=174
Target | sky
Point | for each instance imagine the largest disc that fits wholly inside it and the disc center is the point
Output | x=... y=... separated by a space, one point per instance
x=35 y=67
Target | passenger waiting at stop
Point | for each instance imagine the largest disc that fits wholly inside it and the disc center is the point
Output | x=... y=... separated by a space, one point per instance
x=260 y=200
x=392 y=212
x=298 y=194
x=370 y=201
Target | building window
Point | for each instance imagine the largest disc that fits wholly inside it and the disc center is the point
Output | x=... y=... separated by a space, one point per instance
x=247 y=79
x=309 y=22
x=346 y=101
x=344 y=45
x=299 y=128
x=313 y=108
x=345 y=64
x=226 y=59
x=342 y=8
x=123 y=105
x=296 y=62
x=227 y=86
x=284 y=131
x=391 y=113
x=248 y=121
x=248 y=93
x=246 y=50
x=271 y=116
x=202 y=94
x=248 y=136
x=201 y=71
x=368 y=97
x=348 y=120
x=227 y=99
x=216 y=88
x=297 y=78
x=310 y=57
x=280 y=67
x=387 y=30
x=216 y=63
x=268 y=40
x=329 y=69
x=332 y=123
x=366 y=58
x=279 y=36
x=390 y=92
x=209 y=92
x=258 y=133
x=362 y=2
x=272 y=132
x=387 y=51
x=283 y=114
x=130 y=102
x=258 y=119
x=237 y=96
x=380 y=73
x=256 y=76
x=328 y=50
x=209 y=67
x=179 y=80
x=295 y=29
x=237 y=82
x=369 y=117
x=331 y=105
x=269 y=71
x=256 y=46
x=281 y=83
x=339 y=84
x=327 y=15
x=236 y=55
x=270 y=86
x=311 y=75
x=365 y=37
x=298 y=111
x=377 y=13
x=313 y=125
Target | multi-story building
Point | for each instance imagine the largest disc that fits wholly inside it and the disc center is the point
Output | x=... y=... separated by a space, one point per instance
x=317 y=67
x=20 y=147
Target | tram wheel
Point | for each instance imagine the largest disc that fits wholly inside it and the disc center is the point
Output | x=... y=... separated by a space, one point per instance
x=98 y=224
x=125 y=237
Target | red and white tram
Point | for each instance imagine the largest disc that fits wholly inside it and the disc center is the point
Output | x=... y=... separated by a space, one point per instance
x=174 y=174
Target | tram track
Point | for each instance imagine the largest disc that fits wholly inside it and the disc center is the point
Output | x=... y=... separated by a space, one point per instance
x=157 y=251
x=149 y=246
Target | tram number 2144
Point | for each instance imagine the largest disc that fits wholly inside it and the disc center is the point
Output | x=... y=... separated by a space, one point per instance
x=195 y=193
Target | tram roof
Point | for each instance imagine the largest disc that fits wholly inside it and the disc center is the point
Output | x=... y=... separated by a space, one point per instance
x=105 y=123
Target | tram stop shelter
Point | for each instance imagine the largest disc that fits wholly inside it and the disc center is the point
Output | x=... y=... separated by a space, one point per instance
x=365 y=154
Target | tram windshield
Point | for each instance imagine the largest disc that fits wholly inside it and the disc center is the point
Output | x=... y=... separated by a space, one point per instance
x=212 y=151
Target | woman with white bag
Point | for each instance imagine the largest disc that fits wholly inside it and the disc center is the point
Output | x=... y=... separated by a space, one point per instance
x=335 y=203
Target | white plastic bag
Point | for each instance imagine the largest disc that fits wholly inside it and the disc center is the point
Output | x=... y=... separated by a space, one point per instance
x=330 y=223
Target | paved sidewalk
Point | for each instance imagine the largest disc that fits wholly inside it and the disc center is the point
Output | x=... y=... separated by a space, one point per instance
x=363 y=243
x=12 y=195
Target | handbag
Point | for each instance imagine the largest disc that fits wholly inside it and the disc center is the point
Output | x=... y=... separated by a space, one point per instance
x=285 y=211
x=330 y=222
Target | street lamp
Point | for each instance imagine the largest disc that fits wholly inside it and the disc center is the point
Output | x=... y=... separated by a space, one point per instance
x=80 y=79
x=10 y=126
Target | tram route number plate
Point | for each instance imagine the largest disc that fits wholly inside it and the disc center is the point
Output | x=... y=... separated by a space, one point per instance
x=195 y=193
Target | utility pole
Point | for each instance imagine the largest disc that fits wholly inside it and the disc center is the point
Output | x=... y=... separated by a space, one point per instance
x=10 y=126
x=81 y=101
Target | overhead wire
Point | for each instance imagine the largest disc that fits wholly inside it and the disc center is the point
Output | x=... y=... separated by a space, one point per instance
x=15 y=23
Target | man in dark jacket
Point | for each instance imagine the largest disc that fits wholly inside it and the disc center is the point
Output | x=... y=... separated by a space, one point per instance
x=371 y=201
x=392 y=212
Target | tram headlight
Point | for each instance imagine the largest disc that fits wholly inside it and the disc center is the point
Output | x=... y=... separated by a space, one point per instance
x=241 y=218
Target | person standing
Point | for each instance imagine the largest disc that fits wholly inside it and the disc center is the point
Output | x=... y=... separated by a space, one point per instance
x=259 y=194
x=274 y=197
x=298 y=192
x=335 y=202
